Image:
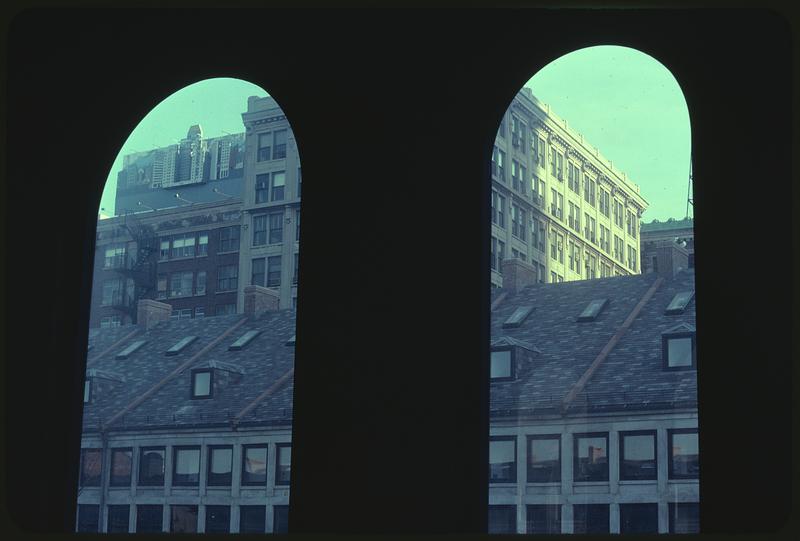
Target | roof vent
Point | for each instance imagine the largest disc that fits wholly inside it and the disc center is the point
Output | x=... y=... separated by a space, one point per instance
x=679 y=302
x=594 y=308
x=180 y=346
x=516 y=319
x=243 y=340
x=128 y=351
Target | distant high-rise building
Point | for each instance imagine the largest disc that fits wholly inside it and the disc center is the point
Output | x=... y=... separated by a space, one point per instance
x=557 y=204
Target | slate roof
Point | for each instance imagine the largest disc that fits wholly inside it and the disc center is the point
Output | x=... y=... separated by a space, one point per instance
x=630 y=378
x=557 y=352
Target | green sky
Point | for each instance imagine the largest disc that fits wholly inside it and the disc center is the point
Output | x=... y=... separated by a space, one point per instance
x=631 y=108
x=216 y=104
x=623 y=101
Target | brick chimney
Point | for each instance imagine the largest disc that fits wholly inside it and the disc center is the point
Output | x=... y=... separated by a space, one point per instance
x=259 y=299
x=517 y=274
x=149 y=313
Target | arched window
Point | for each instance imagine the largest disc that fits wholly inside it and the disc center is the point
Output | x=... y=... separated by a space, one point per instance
x=592 y=308
x=192 y=327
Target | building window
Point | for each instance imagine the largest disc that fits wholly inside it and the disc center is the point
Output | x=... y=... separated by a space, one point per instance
x=202 y=383
x=118 y=516
x=151 y=466
x=262 y=188
x=227 y=278
x=278 y=186
x=684 y=517
x=202 y=244
x=183 y=519
x=264 y=146
x=560 y=247
x=502 y=459
x=161 y=288
x=678 y=351
x=254 y=464
x=605 y=203
x=149 y=518
x=183 y=245
x=684 y=454
x=589 y=187
x=276 y=228
x=280 y=519
x=498 y=206
x=112 y=292
x=121 y=466
x=619 y=245
x=200 y=288
x=274 y=271
x=252 y=518
x=114 y=256
x=225 y=309
x=590 y=518
x=573 y=177
x=638 y=518
x=543 y=519
x=544 y=459
x=218 y=519
x=91 y=466
x=186 y=466
x=88 y=518
x=87 y=391
x=229 y=239
x=501 y=165
x=164 y=251
x=185 y=313
x=637 y=450
x=591 y=457
x=296 y=267
x=220 y=465
x=258 y=274
x=259 y=230
x=181 y=284
x=618 y=212
x=502 y=519
x=199 y=312
x=502 y=365
x=279 y=145
x=283 y=463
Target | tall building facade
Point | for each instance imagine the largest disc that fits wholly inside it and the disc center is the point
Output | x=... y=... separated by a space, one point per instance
x=557 y=204
x=270 y=247
x=667 y=246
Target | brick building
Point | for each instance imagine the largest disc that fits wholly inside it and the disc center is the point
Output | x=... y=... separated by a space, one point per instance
x=667 y=246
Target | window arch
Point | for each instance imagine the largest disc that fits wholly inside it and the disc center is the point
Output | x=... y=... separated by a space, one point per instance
x=195 y=288
x=566 y=247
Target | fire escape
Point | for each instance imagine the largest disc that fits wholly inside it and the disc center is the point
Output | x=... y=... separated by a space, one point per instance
x=137 y=269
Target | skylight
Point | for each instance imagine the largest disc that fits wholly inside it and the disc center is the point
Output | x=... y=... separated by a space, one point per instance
x=243 y=340
x=180 y=346
x=593 y=310
x=125 y=353
x=679 y=302
x=519 y=315
x=290 y=341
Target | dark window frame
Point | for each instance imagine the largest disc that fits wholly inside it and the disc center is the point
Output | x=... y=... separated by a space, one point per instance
x=637 y=505
x=671 y=510
x=209 y=509
x=280 y=509
x=212 y=479
x=93 y=508
x=587 y=506
x=179 y=481
x=195 y=372
x=95 y=481
x=245 y=448
x=111 y=481
x=622 y=435
x=278 y=480
x=512 y=508
x=141 y=508
x=251 y=508
x=512 y=362
x=671 y=474
x=575 y=458
x=665 y=338
x=530 y=472
x=127 y=517
x=172 y=509
x=546 y=506
x=513 y=477
x=142 y=451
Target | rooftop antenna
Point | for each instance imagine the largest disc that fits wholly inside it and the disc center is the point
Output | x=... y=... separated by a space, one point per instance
x=689 y=199
x=178 y=197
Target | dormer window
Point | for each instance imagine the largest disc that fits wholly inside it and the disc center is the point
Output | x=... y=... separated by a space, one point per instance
x=678 y=348
x=202 y=383
x=502 y=365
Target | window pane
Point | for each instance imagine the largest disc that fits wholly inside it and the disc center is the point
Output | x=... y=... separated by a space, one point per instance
x=121 y=462
x=638 y=457
x=638 y=518
x=685 y=455
x=149 y=518
x=219 y=466
x=502 y=519
x=218 y=519
x=252 y=518
x=91 y=466
x=88 y=518
x=501 y=364
x=118 y=516
x=679 y=351
x=591 y=458
x=280 y=519
x=591 y=518
x=202 y=383
x=184 y=519
x=187 y=466
x=684 y=517
x=502 y=460
x=151 y=467
x=283 y=471
x=544 y=460
x=544 y=519
x=254 y=465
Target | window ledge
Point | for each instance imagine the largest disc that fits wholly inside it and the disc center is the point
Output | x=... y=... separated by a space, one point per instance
x=228 y=252
x=226 y=291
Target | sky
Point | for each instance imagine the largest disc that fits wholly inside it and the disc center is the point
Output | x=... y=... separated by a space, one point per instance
x=629 y=106
x=216 y=104
x=624 y=102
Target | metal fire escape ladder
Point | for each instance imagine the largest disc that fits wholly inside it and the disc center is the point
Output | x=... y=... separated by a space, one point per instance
x=140 y=268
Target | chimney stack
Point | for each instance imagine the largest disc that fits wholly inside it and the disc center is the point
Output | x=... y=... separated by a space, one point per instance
x=517 y=274
x=149 y=313
x=259 y=299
